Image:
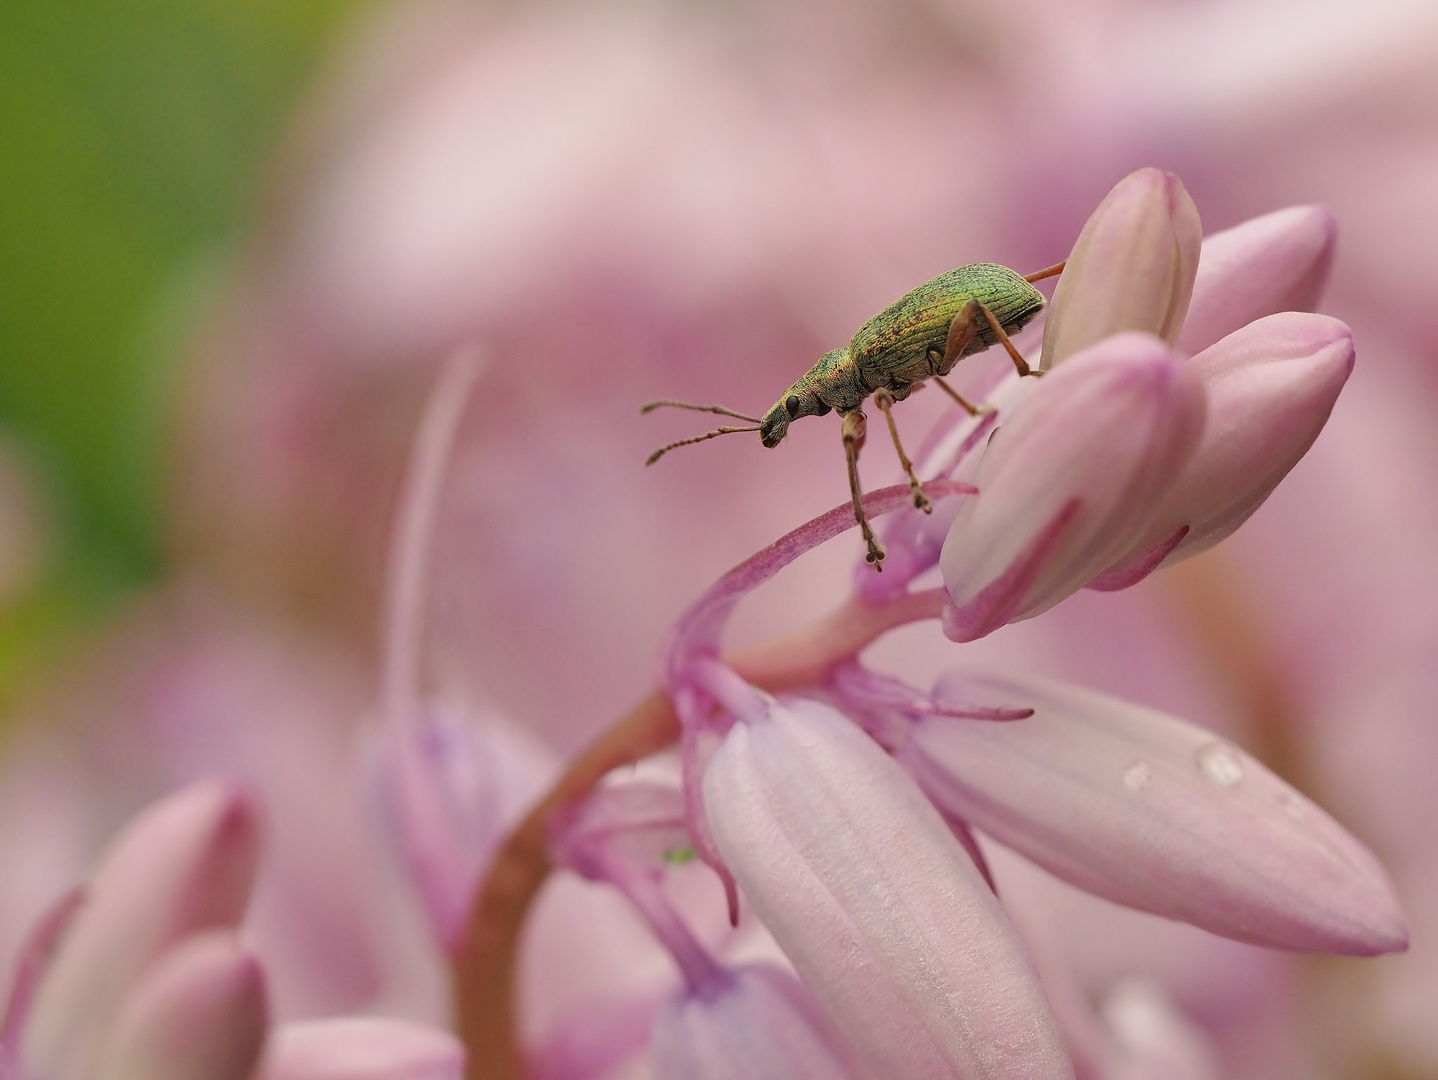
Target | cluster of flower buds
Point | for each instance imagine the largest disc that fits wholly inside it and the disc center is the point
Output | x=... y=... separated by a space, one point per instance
x=1177 y=391
x=142 y=974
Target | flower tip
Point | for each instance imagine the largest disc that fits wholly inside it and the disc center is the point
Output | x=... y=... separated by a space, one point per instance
x=1132 y=268
x=1384 y=928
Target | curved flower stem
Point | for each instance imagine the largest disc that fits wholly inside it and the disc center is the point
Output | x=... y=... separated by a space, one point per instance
x=485 y=963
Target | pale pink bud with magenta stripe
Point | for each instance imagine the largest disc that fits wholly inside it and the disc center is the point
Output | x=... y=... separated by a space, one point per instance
x=1069 y=481
x=760 y=1024
x=1132 y=267
x=883 y=915
x=361 y=1048
x=198 y=1013
x=1277 y=262
x=180 y=867
x=1149 y=811
x=1270 y=387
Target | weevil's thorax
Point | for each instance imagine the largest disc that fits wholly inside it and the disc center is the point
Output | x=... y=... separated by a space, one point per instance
x=832 y=383
x=893 y=346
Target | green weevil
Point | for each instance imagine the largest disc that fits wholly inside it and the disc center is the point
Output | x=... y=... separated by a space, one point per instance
x=916 y=339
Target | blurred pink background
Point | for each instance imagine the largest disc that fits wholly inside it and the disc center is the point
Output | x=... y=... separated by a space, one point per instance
x=622 y=202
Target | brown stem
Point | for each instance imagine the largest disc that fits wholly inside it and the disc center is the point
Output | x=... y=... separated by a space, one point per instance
x=485 y=963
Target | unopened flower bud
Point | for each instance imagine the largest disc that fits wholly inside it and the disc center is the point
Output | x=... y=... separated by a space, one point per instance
x=182 y=866
x=1069 y=482
x=1132 y=268
x=884 y=916
x=198 y=1013
x=1155 y=813
x=1277 y=262
x=1270 y=387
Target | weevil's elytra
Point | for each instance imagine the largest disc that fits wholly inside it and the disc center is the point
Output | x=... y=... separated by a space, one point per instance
x=920 y=336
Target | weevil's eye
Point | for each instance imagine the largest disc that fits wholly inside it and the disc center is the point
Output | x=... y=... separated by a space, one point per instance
x=791 y=405
x=824 y=409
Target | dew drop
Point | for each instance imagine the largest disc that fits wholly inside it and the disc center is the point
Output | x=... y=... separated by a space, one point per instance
x=1137 y=776
x=1220 y=764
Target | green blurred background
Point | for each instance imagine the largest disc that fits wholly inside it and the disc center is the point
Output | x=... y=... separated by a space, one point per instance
x=132 y=134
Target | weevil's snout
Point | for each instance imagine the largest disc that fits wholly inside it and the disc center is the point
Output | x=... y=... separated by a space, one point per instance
x=796 y=403
x=774 y=426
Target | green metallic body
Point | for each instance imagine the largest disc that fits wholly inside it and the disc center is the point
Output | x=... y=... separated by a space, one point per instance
x=906 y=343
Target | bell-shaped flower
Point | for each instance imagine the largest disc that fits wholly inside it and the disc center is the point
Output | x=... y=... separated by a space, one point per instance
x=1069 y=481
x=884 y=916
x=759 y=1023
x=1132 y=267
x=182 y=867
x=1270 y=387
x=361 y=1048
x=1155 y=813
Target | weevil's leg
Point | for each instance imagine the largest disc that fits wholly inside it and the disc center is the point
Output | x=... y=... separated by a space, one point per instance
x=854 y=429
x=1048 y=271
x=885 y=401
x=997 y=328
x=961 y=331
x=964 y=403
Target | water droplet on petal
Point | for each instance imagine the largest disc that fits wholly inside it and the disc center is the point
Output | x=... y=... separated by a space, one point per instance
x=1220 y=764
x=1137 y=776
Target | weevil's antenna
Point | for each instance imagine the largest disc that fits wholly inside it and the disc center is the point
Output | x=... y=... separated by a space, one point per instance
x=719 y=409
x=652 y=458
x=1051 y=271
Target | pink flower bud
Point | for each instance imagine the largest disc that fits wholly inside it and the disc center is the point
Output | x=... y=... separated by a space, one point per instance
x=198 y=1013
x=362 y=1048
x=760 y=1025
x=1069 y=481
x=1132 y=268
x=182 y=866
x=1157 y=814
x=1270 y=387
x=1277 y=262
x=865 y=888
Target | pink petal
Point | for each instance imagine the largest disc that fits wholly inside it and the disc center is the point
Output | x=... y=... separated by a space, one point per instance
x=1277 y=262
x=1155 y=813
x=1270 y=387
x=198 y=1013
x=762 y=1025
x=1098 y=441
x=869 y=894
x=183 y=865
x=362 y=1048
x=1132 y=268
x=30 y=964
